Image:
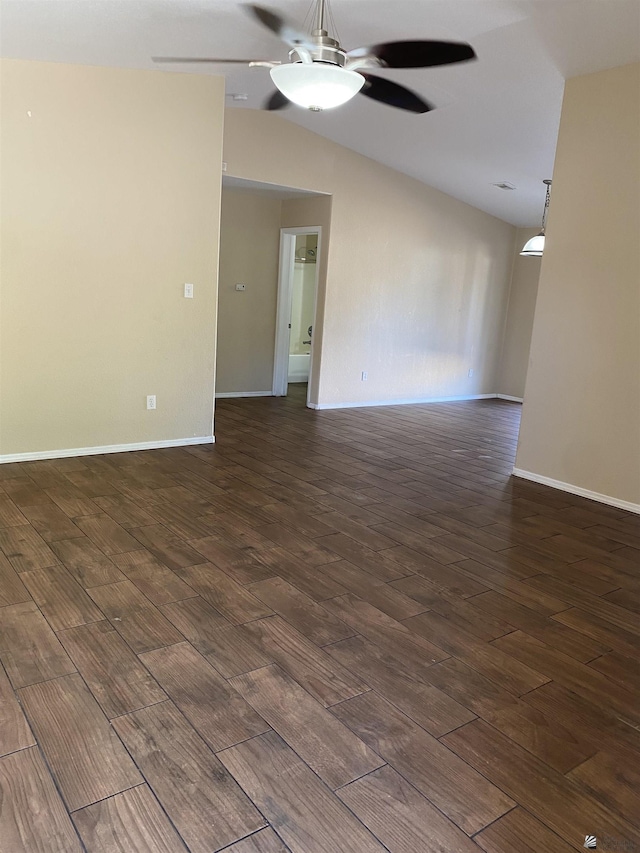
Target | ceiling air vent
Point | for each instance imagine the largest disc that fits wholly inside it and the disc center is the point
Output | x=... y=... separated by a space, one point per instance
x=504 y=185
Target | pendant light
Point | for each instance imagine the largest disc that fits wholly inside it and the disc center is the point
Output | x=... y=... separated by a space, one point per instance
x=534 y=247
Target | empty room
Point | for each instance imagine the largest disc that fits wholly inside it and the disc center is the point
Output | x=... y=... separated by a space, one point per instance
x=319 y=426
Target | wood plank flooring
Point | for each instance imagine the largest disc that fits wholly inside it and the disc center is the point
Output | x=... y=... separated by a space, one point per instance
x=330 y=632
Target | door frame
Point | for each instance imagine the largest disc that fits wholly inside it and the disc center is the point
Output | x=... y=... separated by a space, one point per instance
x=283 y=310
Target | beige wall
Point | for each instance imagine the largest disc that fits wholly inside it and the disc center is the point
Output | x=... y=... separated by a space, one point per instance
x=249 y=254
x=110 y=202
x=416 y=282
x=111 y=193
x=581 y=416
x=519 y=324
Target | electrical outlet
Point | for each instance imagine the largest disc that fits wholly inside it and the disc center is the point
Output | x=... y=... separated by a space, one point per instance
x=241 y=286
x=188 y=291
x=151 y=401
x=470 y=374
x=365 y=376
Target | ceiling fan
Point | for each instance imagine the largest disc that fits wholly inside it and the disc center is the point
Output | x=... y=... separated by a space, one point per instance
x=321 y=74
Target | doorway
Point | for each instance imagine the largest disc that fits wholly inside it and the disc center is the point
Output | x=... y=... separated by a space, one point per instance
x=296 y=309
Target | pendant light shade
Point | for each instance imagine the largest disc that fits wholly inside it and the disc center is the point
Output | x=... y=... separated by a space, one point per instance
x=534 y=247
x=318 y=85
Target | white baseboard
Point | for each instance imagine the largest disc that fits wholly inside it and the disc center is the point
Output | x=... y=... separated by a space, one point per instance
x=576 y=490
x=406 y=402
x=107 y=448
x=228 y=394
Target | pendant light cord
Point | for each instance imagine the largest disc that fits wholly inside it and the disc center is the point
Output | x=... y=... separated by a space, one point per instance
x=546 y=206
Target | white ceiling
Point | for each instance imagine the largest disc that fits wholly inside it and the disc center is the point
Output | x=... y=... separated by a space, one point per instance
x=497 y=118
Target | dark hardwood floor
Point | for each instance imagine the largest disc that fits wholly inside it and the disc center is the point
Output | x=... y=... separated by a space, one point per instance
x=331 y=632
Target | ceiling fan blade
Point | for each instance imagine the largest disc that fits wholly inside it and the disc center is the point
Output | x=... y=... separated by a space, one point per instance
x=277 y=101
x=390 y=93
x=416 y=54
x=288 y=32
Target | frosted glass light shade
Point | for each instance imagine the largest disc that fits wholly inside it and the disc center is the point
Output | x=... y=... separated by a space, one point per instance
x=317 y=86
x=534 y=247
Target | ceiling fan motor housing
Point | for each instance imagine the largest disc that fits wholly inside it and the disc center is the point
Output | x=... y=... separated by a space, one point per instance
x=325 y=49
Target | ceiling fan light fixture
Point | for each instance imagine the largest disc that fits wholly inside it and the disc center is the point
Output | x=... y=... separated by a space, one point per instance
x=317 y=86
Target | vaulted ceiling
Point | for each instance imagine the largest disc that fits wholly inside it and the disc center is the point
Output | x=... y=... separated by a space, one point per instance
x=497 y=118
